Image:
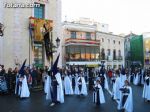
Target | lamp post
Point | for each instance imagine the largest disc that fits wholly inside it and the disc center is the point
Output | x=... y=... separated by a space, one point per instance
x=1 y=29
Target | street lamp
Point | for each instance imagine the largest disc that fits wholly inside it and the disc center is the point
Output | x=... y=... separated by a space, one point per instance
x=57 y=42
x=1 y=29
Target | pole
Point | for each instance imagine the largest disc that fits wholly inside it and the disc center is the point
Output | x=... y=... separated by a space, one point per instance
x=29 y=48
x=51 y=47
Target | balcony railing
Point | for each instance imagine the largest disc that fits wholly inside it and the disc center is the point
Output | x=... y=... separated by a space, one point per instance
x=110 y=59
x=82 y=60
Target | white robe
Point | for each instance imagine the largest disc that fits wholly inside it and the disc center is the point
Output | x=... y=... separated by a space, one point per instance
x=46 y=85
x=146 y=90
x=136 y=79
x=83 y=89
x=101 y=95
x=123 y=78
x=116 y=87
x=60 y=93
x=24 y=88
x=128 y=106
x=106 y=83
x=48 y=88
x=68 y=86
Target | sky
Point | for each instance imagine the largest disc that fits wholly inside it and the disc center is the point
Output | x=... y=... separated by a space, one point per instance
x=123 y=16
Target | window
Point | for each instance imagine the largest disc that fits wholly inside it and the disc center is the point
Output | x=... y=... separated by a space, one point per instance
x=88 y=35
x=38 y=54
x=108 y=40
x=39 y=11
x=103 y=53
x=108 y=52
x=119 y=52
x=114 y=54
x=119 y=42
x=73 y=34
x=102 y=39
x=114 y=41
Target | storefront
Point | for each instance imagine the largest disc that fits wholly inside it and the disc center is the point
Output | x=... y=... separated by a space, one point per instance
x=82 y=53
x=146 y=42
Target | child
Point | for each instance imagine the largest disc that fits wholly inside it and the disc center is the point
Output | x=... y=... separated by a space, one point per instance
x=98 y=95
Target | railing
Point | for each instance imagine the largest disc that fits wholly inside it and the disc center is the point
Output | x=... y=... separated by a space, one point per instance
x=82 y=60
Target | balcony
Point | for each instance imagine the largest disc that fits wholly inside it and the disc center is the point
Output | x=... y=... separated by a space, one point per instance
x=78 y=41
x=120 y=58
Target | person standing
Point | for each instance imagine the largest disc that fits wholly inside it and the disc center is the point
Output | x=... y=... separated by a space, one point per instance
x=98 y=95
x=126 y=101
x=22 y=89
x=9 y=80
x=146 y=89
x=56 y=89
x=81 y=88
x=67 y=84
x=116 y=94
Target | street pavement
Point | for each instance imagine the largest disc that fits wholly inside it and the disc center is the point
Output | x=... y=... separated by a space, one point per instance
x=38 y=103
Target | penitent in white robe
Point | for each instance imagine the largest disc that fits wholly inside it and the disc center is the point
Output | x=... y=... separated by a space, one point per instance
x=146 y=89
x=68 y=86
x=101 y=95
x=116 y=87
x=60 y=93
x=83 y=89
x=46 y=83
x=136 y=79
x=106 y=83
x=128 y=106
x=48 y=88
x=24 y=92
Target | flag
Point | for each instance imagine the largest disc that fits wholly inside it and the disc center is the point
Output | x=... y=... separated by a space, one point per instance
x=21 y=71
x=54 y=68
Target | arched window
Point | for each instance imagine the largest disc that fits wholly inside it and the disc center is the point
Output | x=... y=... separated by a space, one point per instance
x=102 y=39
x=114 y=41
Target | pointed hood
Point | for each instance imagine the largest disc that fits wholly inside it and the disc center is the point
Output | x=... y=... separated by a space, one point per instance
x=123 y=70
x=21 y=71
x=54 y=68
x=102 y=70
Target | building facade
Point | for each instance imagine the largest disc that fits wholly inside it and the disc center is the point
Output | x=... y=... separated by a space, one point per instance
x=127 y=49
x=81 y=46
x=111 y=49
x=146 y=49
x=23 y=35
x=90 y=43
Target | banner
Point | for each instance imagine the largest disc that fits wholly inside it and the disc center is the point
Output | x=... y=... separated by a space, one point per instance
x=37 y=26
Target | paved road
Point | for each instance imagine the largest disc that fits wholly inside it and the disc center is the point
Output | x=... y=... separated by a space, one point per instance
x=37 y=103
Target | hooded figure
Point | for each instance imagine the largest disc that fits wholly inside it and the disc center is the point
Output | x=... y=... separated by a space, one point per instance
x=136 y=79
x=98 y=95
x=123 y=76
x=80 y=88
x=104 y=81
x=117 y=85
x=146 y=89
x=126 y=99
x=22 y=89
x=68 y=85
x=55 y=90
